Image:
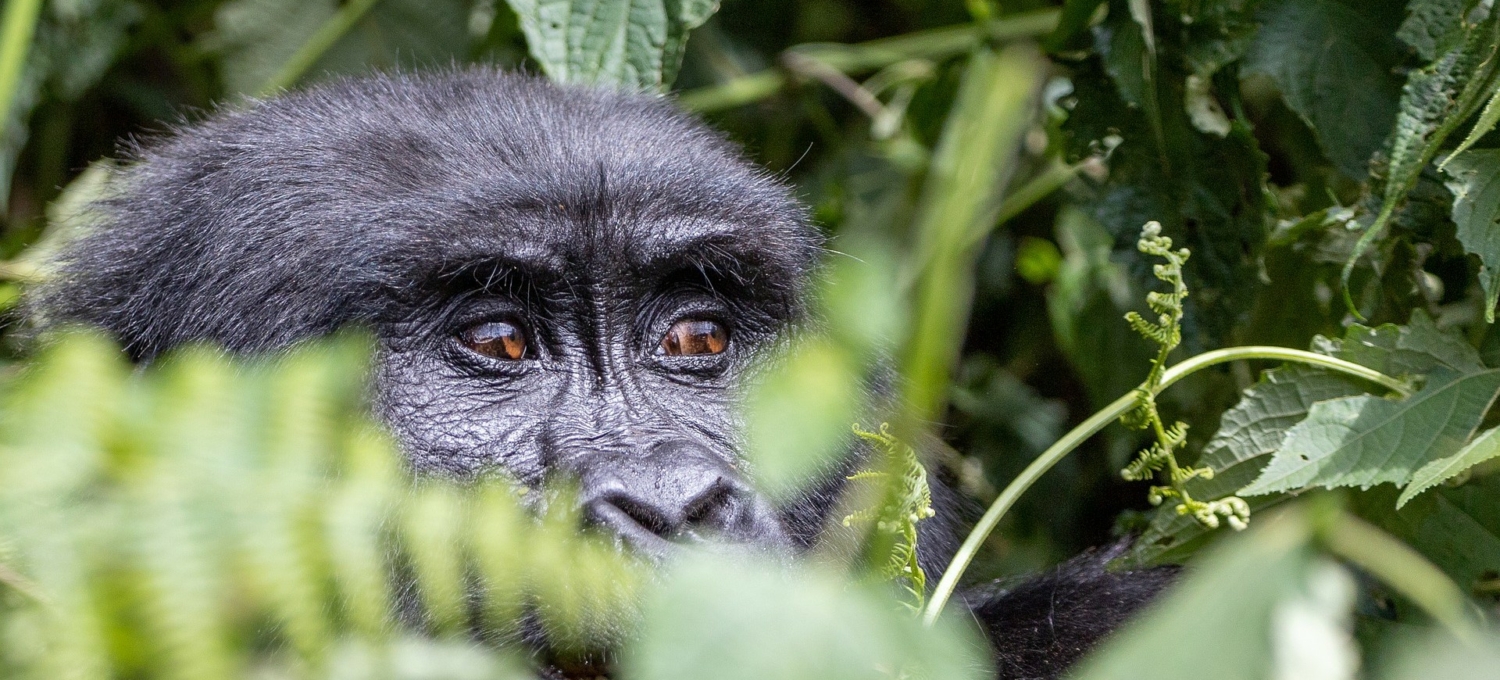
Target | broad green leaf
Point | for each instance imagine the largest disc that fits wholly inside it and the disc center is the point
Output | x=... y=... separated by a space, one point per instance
x=1484 y=447
x=744 y=618
x=1258 y=606
x=1333 y=65
x=1364 y=440
x=799 y=416
x=1458 y=528
x=1474 y=179
x=1435 y=101
x=1252 y=431
x=630 y=44
x=1417 y=348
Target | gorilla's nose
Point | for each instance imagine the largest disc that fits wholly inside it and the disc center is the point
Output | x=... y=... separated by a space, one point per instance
x=675 y=494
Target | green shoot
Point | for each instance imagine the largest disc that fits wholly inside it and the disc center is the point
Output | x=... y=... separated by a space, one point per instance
x=908 y=500
x=1161 y=457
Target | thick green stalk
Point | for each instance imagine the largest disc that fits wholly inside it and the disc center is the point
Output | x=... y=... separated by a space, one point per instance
x=312 y=50
x=15 y=42
x=938 y=43
x=1403 y=569
x=1105 y=416
x=960 y=197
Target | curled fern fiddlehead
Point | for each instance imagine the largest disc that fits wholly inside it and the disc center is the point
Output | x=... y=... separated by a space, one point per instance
x=1161 y=457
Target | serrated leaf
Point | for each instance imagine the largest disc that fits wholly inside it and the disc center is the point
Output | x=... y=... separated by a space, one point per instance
x=1482 y=127
x=1333 y=66
x=1432 y=27
x=1434 y=101
x=1364 y=440
x=1252 y=430
x=634 y=45
x=1417 y=348
x=1474 y=179
x=1484 y=447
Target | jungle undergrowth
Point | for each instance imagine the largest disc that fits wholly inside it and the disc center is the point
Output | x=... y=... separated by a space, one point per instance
x=1138 y=409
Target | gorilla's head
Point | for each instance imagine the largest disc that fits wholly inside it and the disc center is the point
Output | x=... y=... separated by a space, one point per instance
x=562 y=281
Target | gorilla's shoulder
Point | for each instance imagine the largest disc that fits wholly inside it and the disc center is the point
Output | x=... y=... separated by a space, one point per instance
x=1040 y=625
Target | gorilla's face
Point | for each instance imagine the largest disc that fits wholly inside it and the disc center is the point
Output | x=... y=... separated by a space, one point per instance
x=564 y=282
x=610 y=351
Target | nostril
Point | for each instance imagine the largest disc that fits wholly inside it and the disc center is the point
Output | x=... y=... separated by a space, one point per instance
x=648 y=517
x=714 y=508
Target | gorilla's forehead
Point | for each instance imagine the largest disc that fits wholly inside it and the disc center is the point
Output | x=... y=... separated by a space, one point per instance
x=479 y=164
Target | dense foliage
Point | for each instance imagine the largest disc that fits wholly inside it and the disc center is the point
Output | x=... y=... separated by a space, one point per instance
x=1310 y=354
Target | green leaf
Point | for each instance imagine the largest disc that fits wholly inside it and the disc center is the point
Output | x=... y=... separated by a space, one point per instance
x=1482 y=127
x=1258 y=606
x=798 y=418
x=1333 y=65
x=1483 y=448
x=740 y=618
x=1442 y=656
x=1252 y=431
x=1433 y=27
x=1474 y=179
x=1417 y=348
x=634 y=45
x=1364 y=440
x=256 y=38
x=1458 y=528
x=1435 y=101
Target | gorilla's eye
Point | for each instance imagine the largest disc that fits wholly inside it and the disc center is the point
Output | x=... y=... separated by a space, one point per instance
x=694 y=337
x=495 y=339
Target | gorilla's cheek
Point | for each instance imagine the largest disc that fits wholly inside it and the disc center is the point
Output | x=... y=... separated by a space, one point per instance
x=449 y=420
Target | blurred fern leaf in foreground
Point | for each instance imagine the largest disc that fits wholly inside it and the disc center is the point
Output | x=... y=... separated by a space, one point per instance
x=210 y=519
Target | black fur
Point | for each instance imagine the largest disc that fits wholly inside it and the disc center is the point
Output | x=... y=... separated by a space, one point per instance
x=421 y=205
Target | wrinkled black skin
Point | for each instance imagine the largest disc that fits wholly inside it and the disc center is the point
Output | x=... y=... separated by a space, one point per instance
x=419 y=205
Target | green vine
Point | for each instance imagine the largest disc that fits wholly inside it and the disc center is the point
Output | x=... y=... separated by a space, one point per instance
x=1161 y=457
x=907 y=502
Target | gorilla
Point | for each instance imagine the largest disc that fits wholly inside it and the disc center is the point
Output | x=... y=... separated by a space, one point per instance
x=561 y=281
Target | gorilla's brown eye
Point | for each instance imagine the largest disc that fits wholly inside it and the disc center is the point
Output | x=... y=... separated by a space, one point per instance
x=694 y=337
x=495 y=339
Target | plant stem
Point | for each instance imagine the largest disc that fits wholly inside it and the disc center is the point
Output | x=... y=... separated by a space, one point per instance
x=312 y=50
x=1404 y=569
x=15 y=42
x=1105 y=416
x=938 y=43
